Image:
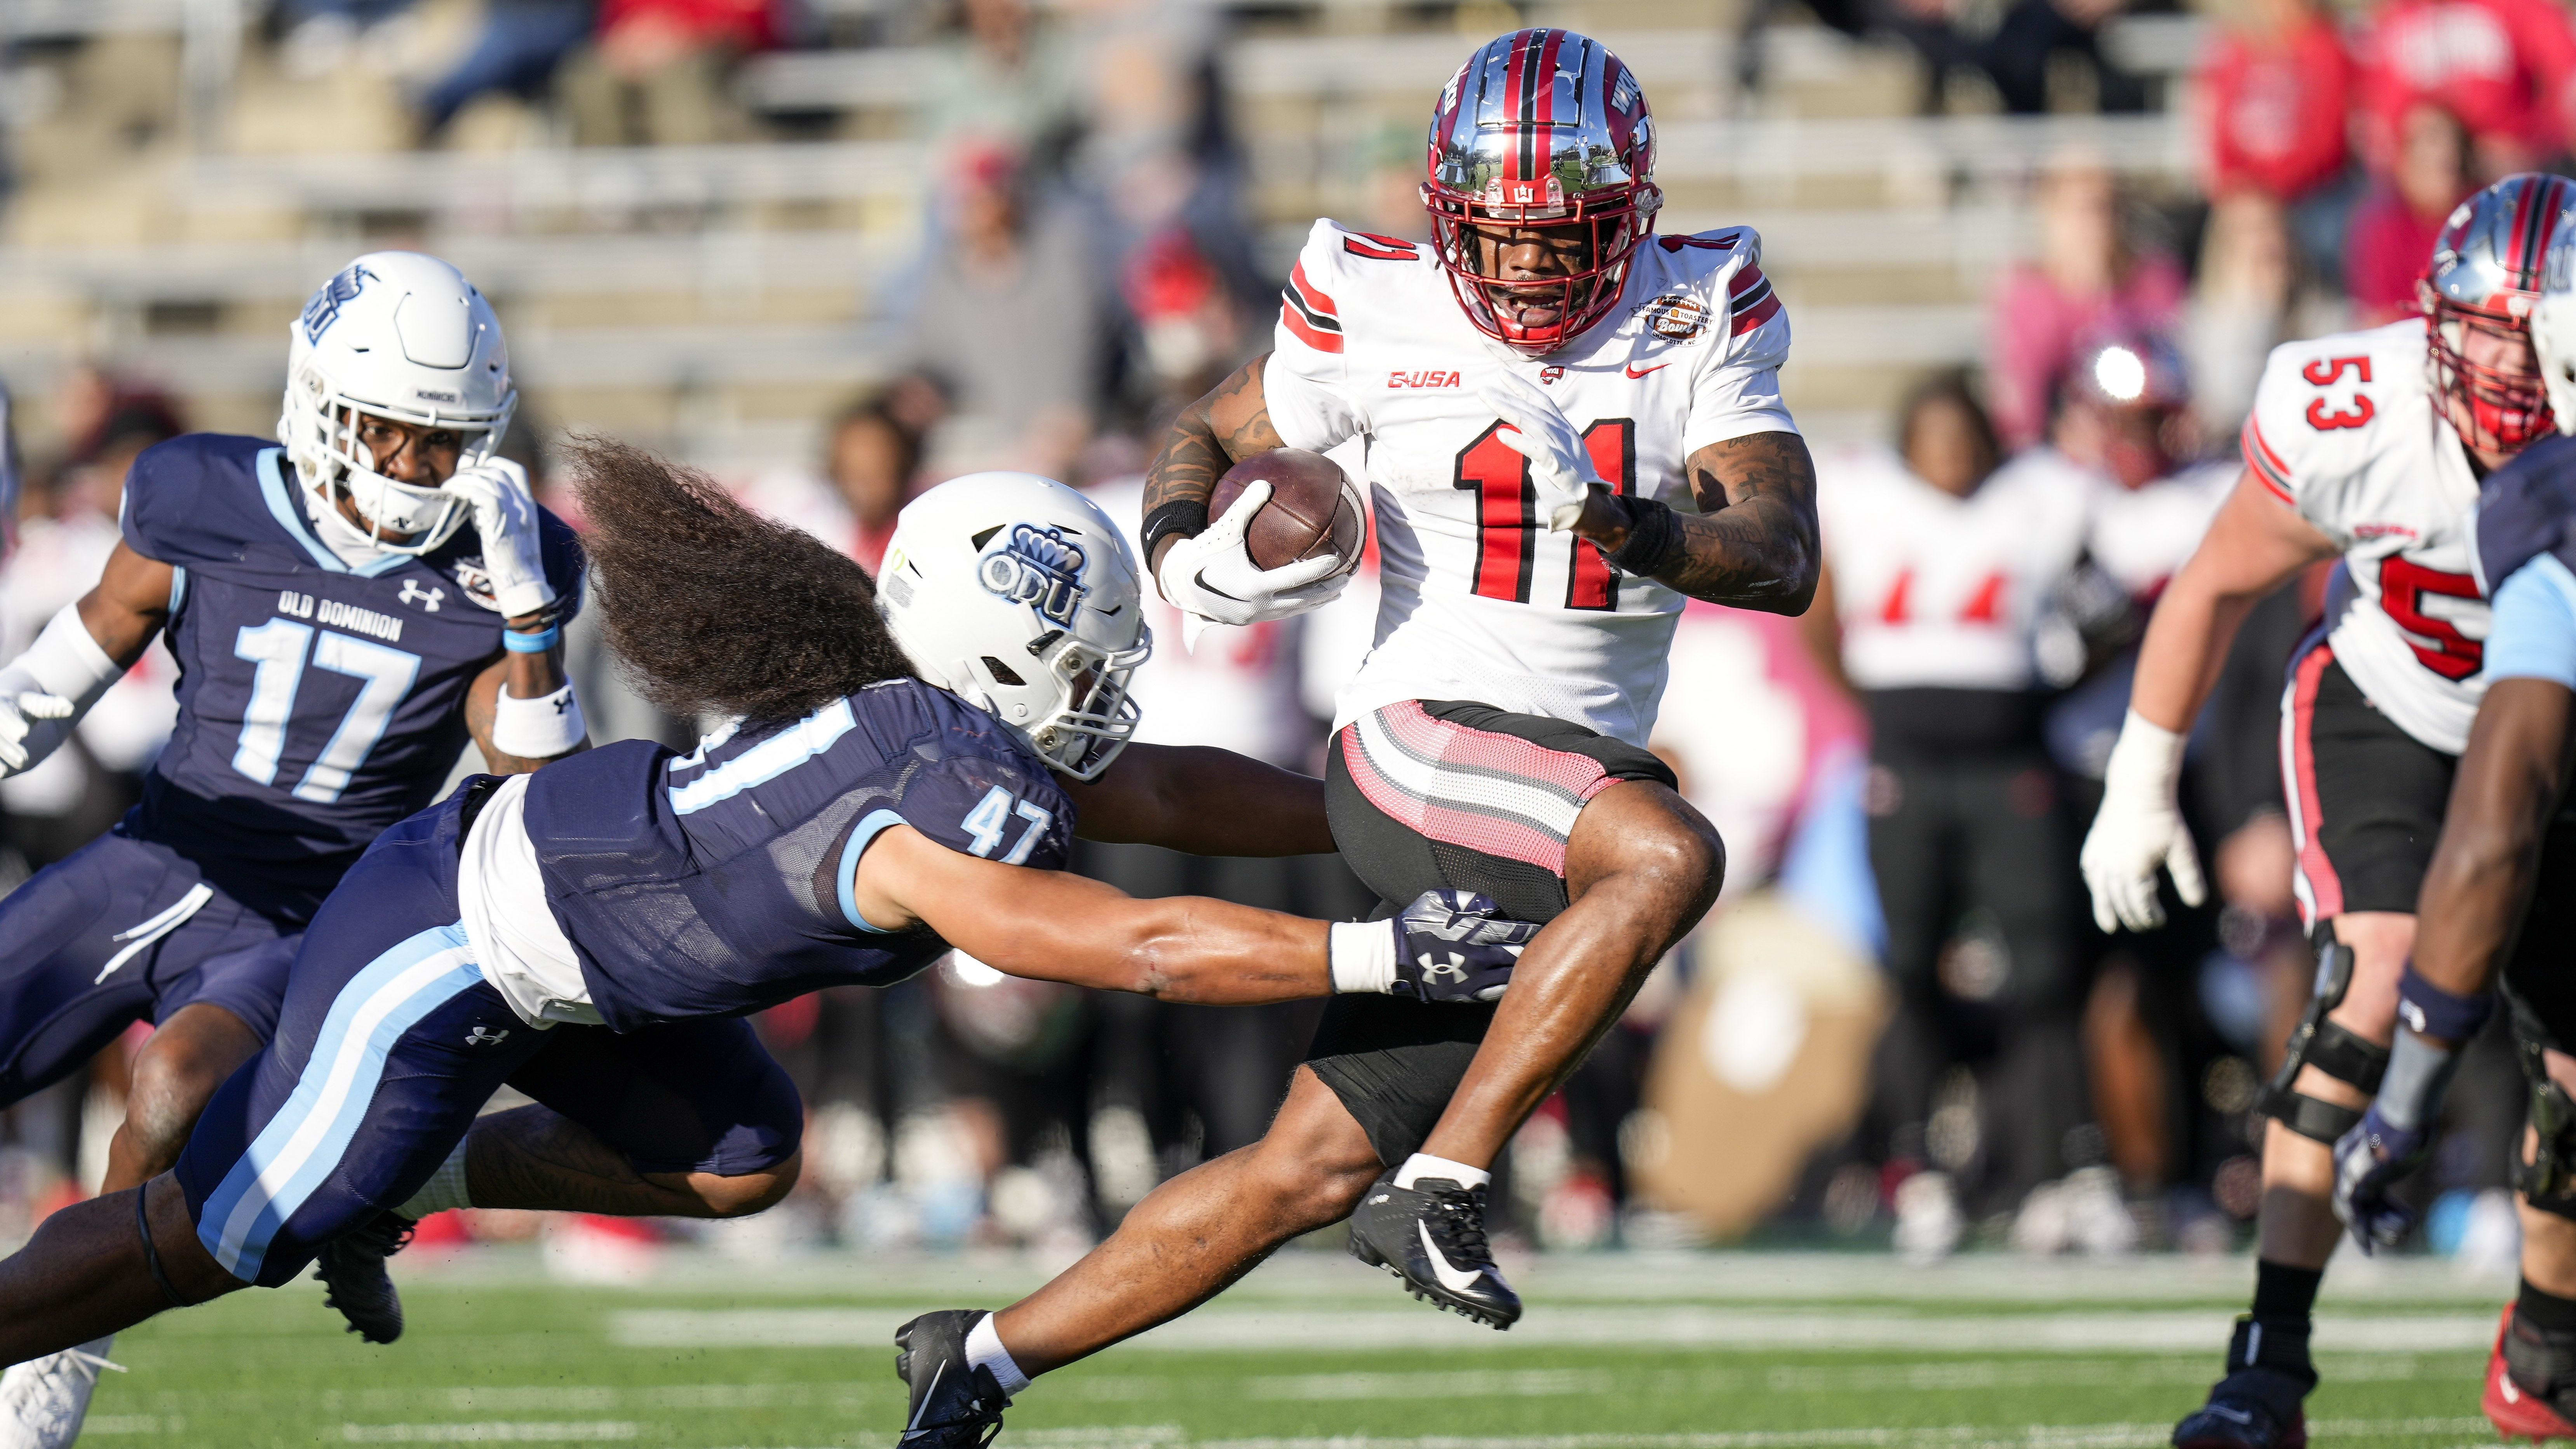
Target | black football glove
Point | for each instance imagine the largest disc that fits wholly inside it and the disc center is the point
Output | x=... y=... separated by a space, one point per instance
x=1453 y=945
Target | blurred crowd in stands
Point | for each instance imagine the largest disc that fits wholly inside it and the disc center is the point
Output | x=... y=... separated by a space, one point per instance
x=1901 y=1023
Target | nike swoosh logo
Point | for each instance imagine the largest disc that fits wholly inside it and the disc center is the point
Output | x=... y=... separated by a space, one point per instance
x=2504 y=1383
x=2235 y=1416
x=1634 y=373
x=929 y=1389
x=1450 y=1278
x=1200 y=579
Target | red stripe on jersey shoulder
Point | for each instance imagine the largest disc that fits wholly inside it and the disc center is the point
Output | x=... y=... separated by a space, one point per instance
x=1751 y=315
x=2267 y=465
x=1745 y=281
x=1712 y=243
x=1315 y=298
x=1392 y=251
x=1314 y=337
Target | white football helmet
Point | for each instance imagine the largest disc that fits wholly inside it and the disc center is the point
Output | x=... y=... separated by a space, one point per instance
x=1019 y=595
x=406 y=337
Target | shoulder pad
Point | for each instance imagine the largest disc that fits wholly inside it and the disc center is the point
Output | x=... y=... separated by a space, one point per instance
x=2323 y=405
x=185 y=498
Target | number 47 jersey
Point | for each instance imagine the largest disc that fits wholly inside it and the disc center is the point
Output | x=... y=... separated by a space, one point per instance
x=319 y=702
x=2348 y=430
x=1480 y=600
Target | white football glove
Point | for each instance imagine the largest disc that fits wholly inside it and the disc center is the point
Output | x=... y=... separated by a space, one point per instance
x=23 y=708
x=44 y=691
x=1560 y=466
x=2139 y=828
x=1211 y=578
x=505 y=514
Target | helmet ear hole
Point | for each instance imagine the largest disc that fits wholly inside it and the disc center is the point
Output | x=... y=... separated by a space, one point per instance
x=1002 y=673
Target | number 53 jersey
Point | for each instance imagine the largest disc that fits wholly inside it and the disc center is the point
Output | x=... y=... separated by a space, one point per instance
x=319 y=702
x=1480 y=600
x=2348 y=430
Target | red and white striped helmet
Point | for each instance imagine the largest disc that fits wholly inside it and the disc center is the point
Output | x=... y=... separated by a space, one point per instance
x=2486 y=274
x=1541 y=129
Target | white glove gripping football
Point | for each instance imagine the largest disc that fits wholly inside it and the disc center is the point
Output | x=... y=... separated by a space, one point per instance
x=2139 y=828
x=505 y=514
x=1560 y=466
x=46 y=690
x=1211 y=578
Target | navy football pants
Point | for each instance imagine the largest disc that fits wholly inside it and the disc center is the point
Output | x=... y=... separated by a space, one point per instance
x=121 y=931
x=389 y=1043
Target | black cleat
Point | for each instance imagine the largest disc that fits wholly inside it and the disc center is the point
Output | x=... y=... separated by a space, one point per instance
x=2243 y=1416
x=2258 y=1404
x=1433 y=1237
x=352 y=1267
x=954 y=1405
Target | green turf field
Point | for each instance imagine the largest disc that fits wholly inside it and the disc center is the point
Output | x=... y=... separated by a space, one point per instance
x=1694 y=1351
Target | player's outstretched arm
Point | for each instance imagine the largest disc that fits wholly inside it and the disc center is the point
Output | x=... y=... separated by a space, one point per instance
x=1202 y=801
x=1053 y=926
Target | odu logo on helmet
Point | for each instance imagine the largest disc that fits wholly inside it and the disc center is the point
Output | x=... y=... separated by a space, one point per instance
x=324 y=309
x=1036 y=567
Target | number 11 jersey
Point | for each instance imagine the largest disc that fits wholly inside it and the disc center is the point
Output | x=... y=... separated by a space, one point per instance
x=319 y=701
x=2348 y=430
x=1480 y=600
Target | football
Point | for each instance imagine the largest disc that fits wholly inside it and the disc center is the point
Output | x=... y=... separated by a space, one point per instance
x=1313 y=511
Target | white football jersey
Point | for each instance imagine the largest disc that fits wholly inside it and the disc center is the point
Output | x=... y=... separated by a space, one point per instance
x=1939 y=592
x=2348 y=430
x=1481 y=601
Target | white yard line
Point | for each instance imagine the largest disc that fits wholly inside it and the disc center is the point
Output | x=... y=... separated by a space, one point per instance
x=1951 y=1436
x=1251 y=1329
x=489 y=1432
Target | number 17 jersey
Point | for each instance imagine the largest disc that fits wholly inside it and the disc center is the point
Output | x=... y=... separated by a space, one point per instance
x=319 y=702
x=2348 y=430
x=1480 y=600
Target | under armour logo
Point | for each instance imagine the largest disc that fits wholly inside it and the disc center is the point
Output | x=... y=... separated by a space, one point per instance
x=413 y=593
x=1454 y=969
x=486 y=1036
x=563 y=702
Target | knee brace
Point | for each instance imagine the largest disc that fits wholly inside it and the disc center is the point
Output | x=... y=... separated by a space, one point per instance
x=2548 y=1180
x=2323 y=1044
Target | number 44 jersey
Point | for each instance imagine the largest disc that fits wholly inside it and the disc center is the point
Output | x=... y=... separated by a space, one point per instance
x=1481 y=601
x=319 y=701
x=2348 y=430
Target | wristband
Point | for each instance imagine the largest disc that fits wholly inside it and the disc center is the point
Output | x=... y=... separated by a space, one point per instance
x=2418 y=1074
x=1654 y=538
x=1183 y=516
x=2434 y=1012
x=2147 y=758
x=540 y=728
x=544 y=639
x=1363 y=956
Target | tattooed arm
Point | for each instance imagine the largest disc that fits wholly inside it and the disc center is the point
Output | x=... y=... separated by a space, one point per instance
x=1754 y=542
x=1211 y=435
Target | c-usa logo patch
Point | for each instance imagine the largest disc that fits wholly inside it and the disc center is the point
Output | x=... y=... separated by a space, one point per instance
x=1038 y=567
x=324 y=309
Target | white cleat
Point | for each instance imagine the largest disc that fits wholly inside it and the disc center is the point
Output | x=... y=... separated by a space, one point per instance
x=44 y=1400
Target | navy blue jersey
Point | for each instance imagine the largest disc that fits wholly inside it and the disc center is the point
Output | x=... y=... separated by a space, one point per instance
x=2525 y=510
x=318 y=703
x=718 y=882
